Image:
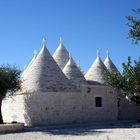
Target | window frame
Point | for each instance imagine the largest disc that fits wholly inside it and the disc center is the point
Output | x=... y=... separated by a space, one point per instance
x=98 y=102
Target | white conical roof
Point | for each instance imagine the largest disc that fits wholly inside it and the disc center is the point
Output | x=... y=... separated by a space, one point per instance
x=73 y=72
x=45 y=75
x=109 y=64
x=97 y=71
x=78 y=65
x=26 y=69
x=61 y=55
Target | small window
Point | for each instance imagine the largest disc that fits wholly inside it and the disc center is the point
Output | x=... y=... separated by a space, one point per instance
x=118 y=103
x=98 y=101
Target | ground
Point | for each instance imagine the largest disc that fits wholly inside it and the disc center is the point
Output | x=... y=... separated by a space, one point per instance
x=95 y=131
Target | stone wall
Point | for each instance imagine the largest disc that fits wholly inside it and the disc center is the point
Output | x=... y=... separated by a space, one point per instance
x=128 y=111
x=13 y=109
x=62 y=107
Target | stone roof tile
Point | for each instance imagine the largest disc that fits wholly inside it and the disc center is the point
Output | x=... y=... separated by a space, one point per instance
x=109 y=64
x=73 y=72
x=45 y=75
x=61 y=55
x=97 y=71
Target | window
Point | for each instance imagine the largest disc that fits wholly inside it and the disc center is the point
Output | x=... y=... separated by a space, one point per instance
x=98 y=101
x=118 y=103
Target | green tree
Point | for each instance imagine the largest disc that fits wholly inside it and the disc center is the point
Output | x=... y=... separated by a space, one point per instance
x=134 y=26
x=128 y=84
x=9 y=83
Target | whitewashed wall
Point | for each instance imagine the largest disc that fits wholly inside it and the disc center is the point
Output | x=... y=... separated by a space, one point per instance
x=61 y=108
x=13 y=109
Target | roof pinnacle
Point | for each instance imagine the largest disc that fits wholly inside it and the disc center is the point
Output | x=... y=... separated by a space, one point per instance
x=107 y=53
x=61 y=41
x=44 y=42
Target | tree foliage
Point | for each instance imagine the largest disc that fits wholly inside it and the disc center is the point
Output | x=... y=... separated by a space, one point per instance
x=134 y=25
x=9 y=82
x=128 y=83
x=9 y=79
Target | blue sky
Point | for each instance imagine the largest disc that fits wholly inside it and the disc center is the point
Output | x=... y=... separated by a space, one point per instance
x=85 y=26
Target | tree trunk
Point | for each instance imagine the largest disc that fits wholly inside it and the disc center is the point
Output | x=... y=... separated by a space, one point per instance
x=1 y=120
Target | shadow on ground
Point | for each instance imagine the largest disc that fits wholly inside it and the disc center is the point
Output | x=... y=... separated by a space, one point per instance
x=79 y=129
x=84 y=129
x=73 y=131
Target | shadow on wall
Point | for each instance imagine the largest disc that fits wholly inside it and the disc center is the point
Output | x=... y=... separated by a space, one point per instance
x=27 y=104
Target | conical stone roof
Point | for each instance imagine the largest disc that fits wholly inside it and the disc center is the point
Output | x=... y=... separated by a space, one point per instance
x=45 y=75
x=78 y=65
x=73 y=73
x=26 y=69
x=109 y=64
x=61 y=55
x=97 y=71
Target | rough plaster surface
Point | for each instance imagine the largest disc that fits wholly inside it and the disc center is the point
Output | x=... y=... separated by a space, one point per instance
x=61 y=107
x=13 y=109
